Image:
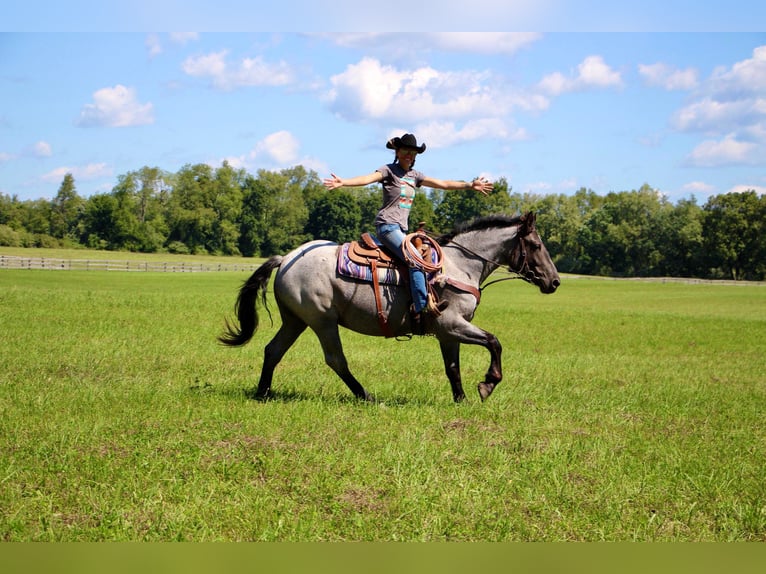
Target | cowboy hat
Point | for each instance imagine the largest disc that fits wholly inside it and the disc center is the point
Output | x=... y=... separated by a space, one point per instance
x=408 y=141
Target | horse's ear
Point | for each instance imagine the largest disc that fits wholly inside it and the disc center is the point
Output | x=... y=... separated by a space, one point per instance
x=529 y=222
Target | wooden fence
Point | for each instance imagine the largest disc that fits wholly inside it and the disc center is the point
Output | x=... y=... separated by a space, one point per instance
x=13 y=262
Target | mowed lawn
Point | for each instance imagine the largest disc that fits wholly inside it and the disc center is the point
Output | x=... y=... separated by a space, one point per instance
x=630 y=410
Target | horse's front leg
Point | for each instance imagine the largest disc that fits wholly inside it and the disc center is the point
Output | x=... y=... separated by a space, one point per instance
x=495 y=373
x=451 y=356
x=465 y=332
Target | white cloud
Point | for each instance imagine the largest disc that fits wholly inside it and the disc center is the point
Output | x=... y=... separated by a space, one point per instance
x=667 y=77
x=86 y=172
x=372 y=91
x=730 y=110
x=248 y=72
x=727 y=151
x=592 y=72
x=277 y=150
x=698 y=187
x=116 y=107
x=745 y=77
x=282 y=147
x=42 y=149
x=759 y=189
x=716 y=116
x=5 y=156
x=439 y=134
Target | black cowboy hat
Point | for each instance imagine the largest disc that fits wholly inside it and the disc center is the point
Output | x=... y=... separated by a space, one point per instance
x=408 y=141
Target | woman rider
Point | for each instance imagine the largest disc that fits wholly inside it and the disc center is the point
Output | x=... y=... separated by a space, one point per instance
x=400 y=181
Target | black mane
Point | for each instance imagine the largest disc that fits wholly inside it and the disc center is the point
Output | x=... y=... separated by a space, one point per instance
x=480 y=224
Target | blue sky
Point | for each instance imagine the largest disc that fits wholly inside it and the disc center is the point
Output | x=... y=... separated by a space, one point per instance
x=681 y=109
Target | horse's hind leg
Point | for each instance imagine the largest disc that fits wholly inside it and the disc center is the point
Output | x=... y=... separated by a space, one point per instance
x=288 y=333
x=329 y=338
x=451 y=355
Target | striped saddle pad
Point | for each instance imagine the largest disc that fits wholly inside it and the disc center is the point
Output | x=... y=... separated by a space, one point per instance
x=356 y=269
x=362 y=271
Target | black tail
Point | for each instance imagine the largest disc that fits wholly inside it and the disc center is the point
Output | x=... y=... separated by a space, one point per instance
x=252 y=289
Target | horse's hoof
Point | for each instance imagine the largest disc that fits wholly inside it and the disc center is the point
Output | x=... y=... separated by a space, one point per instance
x=485 y=389
x=254 y=395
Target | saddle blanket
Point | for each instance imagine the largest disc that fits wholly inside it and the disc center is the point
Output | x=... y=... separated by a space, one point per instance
x=354 y=270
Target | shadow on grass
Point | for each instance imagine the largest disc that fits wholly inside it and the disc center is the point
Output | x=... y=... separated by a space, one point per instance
x=292 y=395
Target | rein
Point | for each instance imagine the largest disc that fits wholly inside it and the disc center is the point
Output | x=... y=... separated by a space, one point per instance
x=520 y=274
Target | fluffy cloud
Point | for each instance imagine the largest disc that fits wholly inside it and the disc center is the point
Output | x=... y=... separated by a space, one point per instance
x=448 y=106
x=279 y=150
x=370 y=90
x=281 y=147
x=726 y=151
x=729 y=109
x=248 y=72
x=86 y=172
x=445 y=134
x=116 y=107
x=592 y=72
x=664 y=76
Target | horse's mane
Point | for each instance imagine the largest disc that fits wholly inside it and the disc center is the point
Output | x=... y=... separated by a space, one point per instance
x=479 y=224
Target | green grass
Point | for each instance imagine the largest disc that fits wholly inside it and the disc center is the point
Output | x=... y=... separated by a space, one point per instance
x=629 y=411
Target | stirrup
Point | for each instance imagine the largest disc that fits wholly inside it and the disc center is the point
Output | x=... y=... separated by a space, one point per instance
x=433 y=308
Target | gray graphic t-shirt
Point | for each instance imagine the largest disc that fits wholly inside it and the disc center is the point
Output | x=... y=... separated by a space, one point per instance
x=398 y=193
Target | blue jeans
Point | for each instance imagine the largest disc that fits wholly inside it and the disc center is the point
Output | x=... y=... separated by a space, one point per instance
x=392 y=236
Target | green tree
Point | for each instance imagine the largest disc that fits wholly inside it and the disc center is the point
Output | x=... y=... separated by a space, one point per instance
x=66 y=210
x=100 y=228
x=335 y=216
x=620 y=236
x=679 y=237
x=369 y=200
x=733 y=230
x=274 y=211
x=190 y=214
x=422 y=212
x=227 y=204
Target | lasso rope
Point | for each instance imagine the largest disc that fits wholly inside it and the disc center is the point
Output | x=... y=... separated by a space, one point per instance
x=411 y=249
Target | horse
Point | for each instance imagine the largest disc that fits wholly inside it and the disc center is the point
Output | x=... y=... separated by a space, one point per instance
x=310 y=292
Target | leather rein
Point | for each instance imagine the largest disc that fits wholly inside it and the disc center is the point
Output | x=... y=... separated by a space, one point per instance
x=523 y=271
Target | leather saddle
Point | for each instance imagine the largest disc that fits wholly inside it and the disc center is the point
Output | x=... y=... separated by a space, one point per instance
x=368 y=252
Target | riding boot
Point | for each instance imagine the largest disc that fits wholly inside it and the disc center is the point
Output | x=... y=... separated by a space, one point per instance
x=433 y=308
x=418 y=321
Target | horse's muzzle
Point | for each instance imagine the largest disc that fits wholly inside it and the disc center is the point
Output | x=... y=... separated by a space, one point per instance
x=546 y=287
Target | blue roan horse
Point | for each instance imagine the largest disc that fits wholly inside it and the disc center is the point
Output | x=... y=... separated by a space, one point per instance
x=310 y=292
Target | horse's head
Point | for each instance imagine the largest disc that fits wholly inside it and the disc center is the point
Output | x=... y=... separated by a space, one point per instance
x=531 y=260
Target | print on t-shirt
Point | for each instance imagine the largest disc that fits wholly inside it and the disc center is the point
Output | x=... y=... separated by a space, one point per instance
x=407 y=193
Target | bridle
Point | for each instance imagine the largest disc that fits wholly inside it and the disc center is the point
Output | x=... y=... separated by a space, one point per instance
x=523 y=272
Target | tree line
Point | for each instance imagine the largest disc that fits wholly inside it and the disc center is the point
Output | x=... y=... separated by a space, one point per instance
x=206 y=210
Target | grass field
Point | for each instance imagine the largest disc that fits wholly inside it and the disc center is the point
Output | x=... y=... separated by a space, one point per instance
x=629 y=411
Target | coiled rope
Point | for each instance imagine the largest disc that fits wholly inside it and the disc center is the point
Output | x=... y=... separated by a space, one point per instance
x=411 y=248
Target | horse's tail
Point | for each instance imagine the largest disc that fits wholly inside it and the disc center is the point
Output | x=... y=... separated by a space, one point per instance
x=245 y=307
